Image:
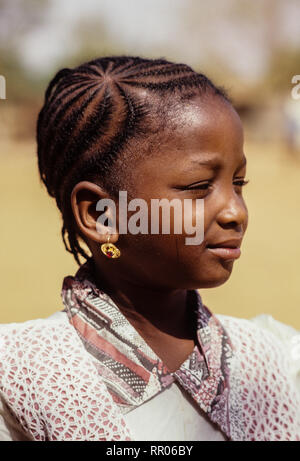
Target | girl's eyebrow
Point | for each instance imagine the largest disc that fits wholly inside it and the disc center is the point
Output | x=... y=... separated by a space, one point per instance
x=213 y=162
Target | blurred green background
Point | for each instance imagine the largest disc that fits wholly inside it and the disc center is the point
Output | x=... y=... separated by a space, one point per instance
x=251 y=48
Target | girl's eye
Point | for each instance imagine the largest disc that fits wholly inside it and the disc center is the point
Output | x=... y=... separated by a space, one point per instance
x=241 y=182
x=206 y=185
x=203 y=186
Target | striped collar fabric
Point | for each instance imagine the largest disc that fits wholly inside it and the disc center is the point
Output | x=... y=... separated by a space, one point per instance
x=131 y=370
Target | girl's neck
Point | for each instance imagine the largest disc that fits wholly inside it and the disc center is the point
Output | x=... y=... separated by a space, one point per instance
x=150 y=310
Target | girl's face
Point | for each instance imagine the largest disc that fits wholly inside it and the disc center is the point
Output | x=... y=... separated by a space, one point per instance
x=203 y=158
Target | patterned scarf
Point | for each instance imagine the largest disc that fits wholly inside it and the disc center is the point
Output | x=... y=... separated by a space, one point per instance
x=131 y=370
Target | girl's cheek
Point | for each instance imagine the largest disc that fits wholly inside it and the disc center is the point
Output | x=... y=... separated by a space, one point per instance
x=194 y=222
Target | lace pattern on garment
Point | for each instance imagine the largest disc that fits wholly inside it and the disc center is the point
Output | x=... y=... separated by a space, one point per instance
x=263 y=397
x=52 y=385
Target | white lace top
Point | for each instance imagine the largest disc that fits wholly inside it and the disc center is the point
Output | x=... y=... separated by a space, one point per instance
x=50 y=388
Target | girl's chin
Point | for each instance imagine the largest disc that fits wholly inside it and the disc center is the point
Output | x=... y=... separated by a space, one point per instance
x=216 y=278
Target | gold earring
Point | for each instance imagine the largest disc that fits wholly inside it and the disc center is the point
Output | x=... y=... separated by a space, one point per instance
x=110 y=250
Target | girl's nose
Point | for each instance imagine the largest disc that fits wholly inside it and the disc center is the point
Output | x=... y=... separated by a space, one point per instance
x=233 y=213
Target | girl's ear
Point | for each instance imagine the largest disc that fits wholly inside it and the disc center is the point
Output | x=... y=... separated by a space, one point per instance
x=93 y=209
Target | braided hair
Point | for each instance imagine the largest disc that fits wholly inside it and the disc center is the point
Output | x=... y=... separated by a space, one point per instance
x=91 y=114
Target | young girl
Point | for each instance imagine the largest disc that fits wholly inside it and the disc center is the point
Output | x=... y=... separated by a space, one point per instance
x=134 y=354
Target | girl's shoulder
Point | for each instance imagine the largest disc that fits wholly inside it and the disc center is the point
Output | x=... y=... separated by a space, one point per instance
x=266 y=341
x=20 y=340
x=263 y=326
x=265 y=321
x=45 y=369
x=59 y=318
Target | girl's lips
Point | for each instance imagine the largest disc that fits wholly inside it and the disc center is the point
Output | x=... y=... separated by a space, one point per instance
x=226 y=253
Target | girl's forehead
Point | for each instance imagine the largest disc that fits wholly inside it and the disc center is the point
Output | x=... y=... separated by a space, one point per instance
x=209 y=125
x=209 y=131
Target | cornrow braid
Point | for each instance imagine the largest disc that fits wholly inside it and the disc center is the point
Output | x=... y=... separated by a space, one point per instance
x=90 y=114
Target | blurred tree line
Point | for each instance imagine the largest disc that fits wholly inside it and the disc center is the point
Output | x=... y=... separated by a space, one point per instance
x=92 y=36
x=17 y=19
